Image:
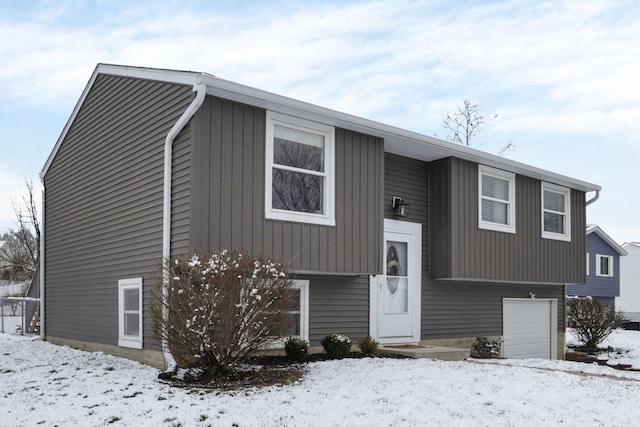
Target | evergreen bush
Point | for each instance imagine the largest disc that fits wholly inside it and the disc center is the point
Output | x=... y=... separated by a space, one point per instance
x=297 y=349
x=484 y=348
x=337 y=346
x=368 y=346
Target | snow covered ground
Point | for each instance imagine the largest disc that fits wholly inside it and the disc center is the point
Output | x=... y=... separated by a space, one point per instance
x=44 y=384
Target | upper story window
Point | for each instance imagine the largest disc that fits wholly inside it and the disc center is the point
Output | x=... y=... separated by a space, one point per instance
x=300 y=170
x=556 y=212
x=497 y=207
x=604 y=265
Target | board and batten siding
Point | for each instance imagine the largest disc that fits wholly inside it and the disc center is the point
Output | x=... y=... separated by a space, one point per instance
x=408 y=178
x=103 y=205
x=461 y=250
x=228 y=187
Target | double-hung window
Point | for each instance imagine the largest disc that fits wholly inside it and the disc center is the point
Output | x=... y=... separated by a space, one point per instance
x=497 y=206
x=130 y=313
x=556 y=212
x=298 y=313
x=299 y=170
x=604 y=265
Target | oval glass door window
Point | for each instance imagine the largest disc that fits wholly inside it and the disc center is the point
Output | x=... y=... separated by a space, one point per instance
x=396 y=295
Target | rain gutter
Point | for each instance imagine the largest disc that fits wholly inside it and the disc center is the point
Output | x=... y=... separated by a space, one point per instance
x=201 y=90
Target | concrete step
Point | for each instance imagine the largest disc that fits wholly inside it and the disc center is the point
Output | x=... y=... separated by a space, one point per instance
x=427 y=352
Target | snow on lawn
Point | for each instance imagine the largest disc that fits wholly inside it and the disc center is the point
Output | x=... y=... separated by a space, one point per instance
x=44 y=384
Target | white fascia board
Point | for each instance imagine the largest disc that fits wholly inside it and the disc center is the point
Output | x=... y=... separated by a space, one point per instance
x=604 y=236
x=397 y=140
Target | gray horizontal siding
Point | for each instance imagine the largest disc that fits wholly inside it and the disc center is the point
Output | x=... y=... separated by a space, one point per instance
x=338 y=304
x=455 y=309
x=103 y=205
x=598 y=286
x=227 y=208
x=462 y=250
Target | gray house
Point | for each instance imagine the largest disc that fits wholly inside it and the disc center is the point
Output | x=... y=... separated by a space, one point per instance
x=392 y=234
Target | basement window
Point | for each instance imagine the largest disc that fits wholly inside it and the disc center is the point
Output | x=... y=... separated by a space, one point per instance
x=130 y=313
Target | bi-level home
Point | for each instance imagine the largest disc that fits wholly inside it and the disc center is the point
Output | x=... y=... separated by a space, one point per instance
x=603 y=268
x=391 y=233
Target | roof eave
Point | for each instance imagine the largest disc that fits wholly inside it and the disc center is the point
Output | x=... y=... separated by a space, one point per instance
x=397 y=140
x=604 y=236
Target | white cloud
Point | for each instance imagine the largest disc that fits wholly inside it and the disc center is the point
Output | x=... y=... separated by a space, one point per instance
x=563 y=67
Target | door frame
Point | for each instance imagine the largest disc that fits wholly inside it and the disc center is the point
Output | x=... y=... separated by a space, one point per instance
x=413 y=229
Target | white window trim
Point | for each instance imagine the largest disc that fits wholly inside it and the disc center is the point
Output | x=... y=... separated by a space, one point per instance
x=510 y=227
x=129 y=340
x=566 y=192
x=303 y=285
x=329 y=193
x=598 y=272
x=587 y=263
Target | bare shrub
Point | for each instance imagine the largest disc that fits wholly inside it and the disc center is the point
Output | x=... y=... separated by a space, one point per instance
x=592 y=321
x=223 y=306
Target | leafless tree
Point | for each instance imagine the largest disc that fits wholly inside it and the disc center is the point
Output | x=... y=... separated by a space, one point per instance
x=464 y=124
x=20 y=254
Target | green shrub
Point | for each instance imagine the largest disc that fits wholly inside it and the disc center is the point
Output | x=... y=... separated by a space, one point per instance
x=297 y=349
x=337 y=346
x=484 y=348
x=368 y=346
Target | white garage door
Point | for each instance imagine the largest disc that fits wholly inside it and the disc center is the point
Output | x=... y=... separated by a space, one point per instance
x=529 y=328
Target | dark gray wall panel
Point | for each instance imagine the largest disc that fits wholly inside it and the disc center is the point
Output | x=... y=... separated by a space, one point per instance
x=490 y=255
x=409 y=179
x=227 y=210
x=103 y=205
x=455 y=309
x=338 y=304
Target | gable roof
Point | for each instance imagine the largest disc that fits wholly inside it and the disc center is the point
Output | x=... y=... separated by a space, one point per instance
x=592 y=228
x=397 y=140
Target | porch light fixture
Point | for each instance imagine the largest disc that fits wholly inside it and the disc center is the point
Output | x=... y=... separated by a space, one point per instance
x=399 y=206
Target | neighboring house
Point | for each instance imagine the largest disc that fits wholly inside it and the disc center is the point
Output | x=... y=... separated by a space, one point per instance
x=603 y=268
x=629 y=300
x=157 y=162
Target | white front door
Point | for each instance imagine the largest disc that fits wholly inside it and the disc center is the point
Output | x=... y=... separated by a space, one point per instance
x=395 y=294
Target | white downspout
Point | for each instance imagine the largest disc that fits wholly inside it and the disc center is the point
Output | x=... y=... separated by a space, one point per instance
x=596 y=197
x=201 y=90
x=41 y=278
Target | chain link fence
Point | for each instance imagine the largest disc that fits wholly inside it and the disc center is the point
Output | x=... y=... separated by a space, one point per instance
x=19 y=315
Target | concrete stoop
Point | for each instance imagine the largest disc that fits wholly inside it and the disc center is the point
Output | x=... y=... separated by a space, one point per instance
x=426 y=352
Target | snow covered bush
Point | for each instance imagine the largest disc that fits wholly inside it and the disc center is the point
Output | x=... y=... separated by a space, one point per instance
x=592 y=321
x=337 y=346
x=223 y=306
x=484 y=348
x=296 y=349
x=368 y=346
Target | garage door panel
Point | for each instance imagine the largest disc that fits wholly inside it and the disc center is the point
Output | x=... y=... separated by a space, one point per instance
x=528 y=328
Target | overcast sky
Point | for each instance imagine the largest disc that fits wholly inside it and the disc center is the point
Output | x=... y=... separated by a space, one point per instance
x=561 y=79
